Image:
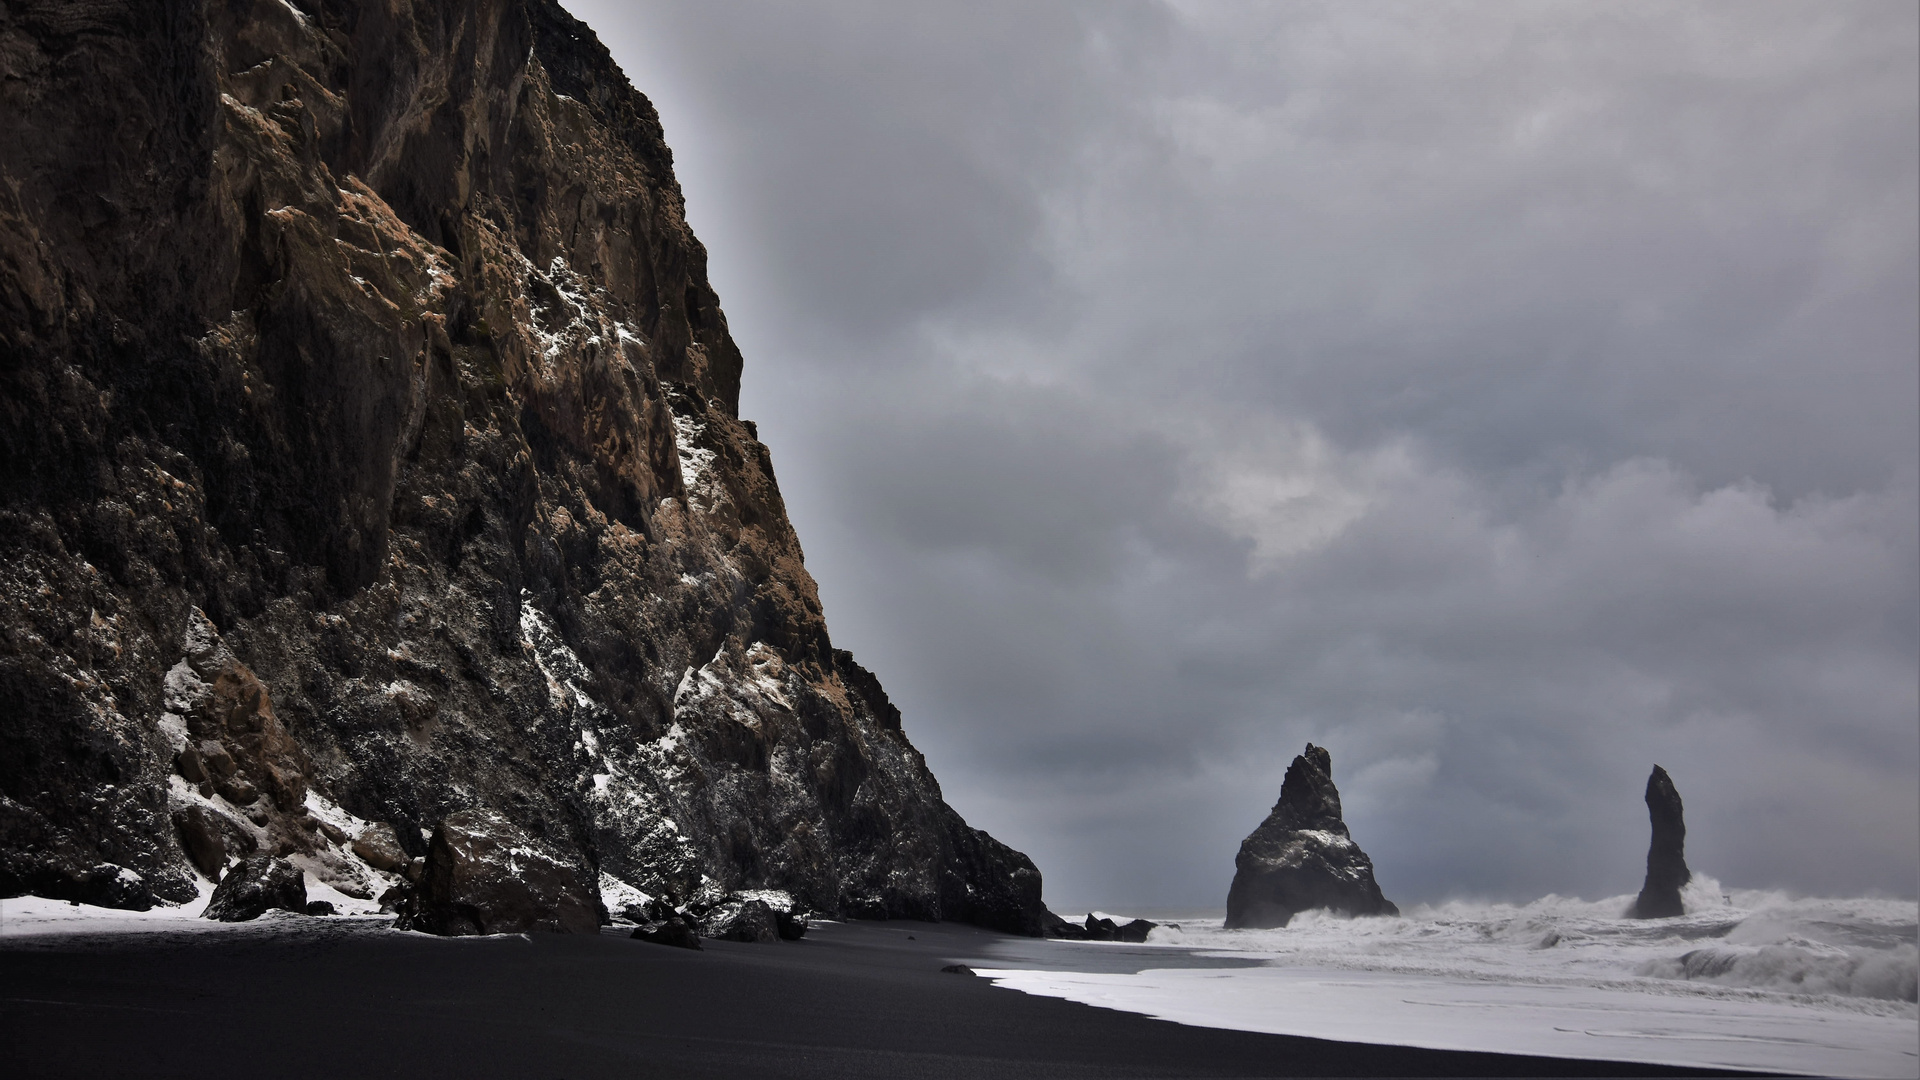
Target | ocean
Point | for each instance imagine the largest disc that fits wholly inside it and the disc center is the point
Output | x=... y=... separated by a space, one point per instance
x=1745 y=979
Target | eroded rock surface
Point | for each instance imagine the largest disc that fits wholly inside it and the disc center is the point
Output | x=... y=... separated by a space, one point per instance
x=741 y=920
x=1302 y=857
x=484 y=875
x=1667 y=871
x=674 y=930
x=379 y=846
x=754 y=915
x=370 y=453
x=1101 y=929
x=257 y=885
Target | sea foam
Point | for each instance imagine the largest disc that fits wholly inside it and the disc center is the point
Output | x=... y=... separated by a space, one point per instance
x=1743 y=979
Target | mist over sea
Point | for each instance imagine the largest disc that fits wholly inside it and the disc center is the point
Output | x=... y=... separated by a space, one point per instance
x=1745 y=979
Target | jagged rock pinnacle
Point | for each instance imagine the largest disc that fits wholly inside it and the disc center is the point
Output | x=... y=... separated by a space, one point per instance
x=1302 y=857
x=1667 y=869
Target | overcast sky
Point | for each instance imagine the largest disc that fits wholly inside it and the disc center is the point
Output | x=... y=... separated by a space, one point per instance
x=1505 y=396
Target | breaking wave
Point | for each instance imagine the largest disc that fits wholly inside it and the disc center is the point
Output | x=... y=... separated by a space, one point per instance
x=1742 y=940
x=1802 y=969
x=1744 y=979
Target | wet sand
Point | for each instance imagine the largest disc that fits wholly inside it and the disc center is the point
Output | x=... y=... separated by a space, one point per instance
x=340 y=997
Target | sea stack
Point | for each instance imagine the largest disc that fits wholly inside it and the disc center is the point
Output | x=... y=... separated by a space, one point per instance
x=1302 y=857
x=1667 y=869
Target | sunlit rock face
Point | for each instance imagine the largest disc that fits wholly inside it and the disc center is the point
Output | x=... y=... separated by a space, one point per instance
x=1667 y=871
x=370 y=453
x=1302 y=857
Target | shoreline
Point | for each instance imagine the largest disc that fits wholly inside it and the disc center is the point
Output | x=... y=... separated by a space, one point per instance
x=351 y=996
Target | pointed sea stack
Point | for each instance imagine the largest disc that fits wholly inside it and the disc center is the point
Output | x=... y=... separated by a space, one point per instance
x=1666 y=857
x=1302 y=856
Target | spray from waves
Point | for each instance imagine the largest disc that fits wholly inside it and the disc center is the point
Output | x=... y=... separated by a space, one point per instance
x=1802 y=968
x=1860 y=950
x=1849 y=948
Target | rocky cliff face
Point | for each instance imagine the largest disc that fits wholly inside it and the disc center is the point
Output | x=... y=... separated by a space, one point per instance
x=370 y=453
x=1302 y=857
x=1667 y=871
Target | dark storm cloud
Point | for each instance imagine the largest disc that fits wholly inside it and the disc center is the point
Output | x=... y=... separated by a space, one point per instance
x=1507 y=397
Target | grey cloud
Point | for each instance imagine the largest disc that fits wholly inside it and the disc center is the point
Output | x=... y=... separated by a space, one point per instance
x=1506 y=396
x=888 y=158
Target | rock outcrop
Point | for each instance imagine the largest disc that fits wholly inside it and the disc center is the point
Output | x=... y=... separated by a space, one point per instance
x=104 y=885
x=370 y=454
x=756 y=915
x=483 y=875
x=379 y=847
x=255 y=886
x=1302 y=857
x=674 y=930
x=742 y=920
x=1667 y=871
x=1101 y=929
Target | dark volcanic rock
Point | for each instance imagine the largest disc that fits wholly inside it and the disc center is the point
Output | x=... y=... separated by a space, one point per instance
x=741 y=920
x=379 y=845
x=102 y=885
x=675 y=931
x=747 y=916
x=257 y=885
x=370 y=442
x=791 y=925
x=1058 y=927
x=486 y=876
x=1302 y=857
x=201 y=838
x=652 y=911
x=1099 y=929
x=1667 y=871
x=401 y=900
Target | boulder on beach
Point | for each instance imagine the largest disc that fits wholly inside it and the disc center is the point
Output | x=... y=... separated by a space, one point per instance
x=750 y=915
x=257 y=885
x=1056 y=927
x=485 y=876
x=1667 y=871
x=674 y=930
x=104 y=885
x=1302 y=857
x=740 y=920
x=1104 y=929
x=379 y=846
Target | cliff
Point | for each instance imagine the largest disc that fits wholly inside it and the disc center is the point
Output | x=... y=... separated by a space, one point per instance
x=370 y=453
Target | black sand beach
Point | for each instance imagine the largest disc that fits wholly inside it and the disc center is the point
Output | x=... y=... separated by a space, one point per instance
x=351 y=998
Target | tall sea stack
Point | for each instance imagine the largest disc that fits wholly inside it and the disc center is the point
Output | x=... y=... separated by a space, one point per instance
x=371 y=463
x=1302 y=857
x=1667 y=871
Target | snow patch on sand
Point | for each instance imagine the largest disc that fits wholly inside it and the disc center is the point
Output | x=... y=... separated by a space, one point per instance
x=618 y=896
x=23 y=916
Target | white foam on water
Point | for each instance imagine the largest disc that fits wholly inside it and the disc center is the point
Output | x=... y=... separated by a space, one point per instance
x=1747 y=979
